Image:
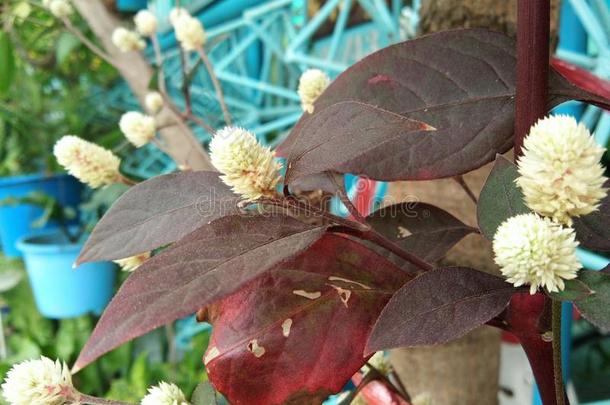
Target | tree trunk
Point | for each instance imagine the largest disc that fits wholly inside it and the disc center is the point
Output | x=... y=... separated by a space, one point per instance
x=465 y=371
x=179 y=140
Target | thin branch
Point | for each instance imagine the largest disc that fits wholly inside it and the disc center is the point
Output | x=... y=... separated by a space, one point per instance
x=125 y=180
x=460 y=180
x=88 y=399
x=192 y=117
x=216 y=83
x=346 y=201
x=557 y=367
x=92 y=47
x=185 y=85
x=159 y=62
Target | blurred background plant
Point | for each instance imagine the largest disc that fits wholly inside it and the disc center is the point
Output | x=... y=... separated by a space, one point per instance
x=50 y=85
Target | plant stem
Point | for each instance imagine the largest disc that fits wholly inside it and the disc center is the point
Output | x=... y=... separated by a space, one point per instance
x=88 y=399
x=533 y=25
x=159 y=60
x=185 y=85
x=540 y=356
x=216 y=83
x=379 y=239
x=460 y=180
x=556 y=325
x=92 y=47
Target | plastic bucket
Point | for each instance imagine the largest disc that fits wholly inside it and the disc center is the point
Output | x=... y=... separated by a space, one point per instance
x=16 y=220
x=61 y=291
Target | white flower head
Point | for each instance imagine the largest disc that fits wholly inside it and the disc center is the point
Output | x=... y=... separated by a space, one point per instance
x=87 y=161
x=247 y=166
x=40 y=382
x=312 y=83
x=60 y=8
x=164 y=394
x=536 y=251
x=146 y=23
x=189 y=32
x=560 y=171
x=176 y=13
x=138 y=128
x=133 y=262
x=127 y=41
x=153 y=102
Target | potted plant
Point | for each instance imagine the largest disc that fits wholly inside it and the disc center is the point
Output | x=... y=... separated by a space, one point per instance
x=60 y=289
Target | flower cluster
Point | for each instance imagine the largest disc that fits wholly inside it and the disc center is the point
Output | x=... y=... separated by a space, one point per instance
x=189 y=30
x=312 y=83
x=138 y=128
x=247 y=166
x=146 y=23
x=536 y=251
x=127 y=41
x=164 y=394
x=133 y=262
x=41 y=382
x=87 y=161
x=59 y=8
x=560 y=171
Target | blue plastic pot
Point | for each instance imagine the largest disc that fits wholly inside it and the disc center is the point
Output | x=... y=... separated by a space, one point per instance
x=16 y=221
x=131 y=5
x=61 y=291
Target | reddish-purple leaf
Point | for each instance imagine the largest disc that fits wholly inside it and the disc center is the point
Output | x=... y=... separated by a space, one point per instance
x=593 y=230
x=422 y=229
x=439 y=306
x=462 y=83
x=210 y=263
x=157 y=212
x=584 y=82
x=596 y=307
x=297 y=333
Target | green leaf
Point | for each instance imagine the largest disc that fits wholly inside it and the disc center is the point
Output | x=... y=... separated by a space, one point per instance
x=66 y=43
x=204 y=394
x=574 y=290
x=500 y=198
x=7 y=62
x=596 y=307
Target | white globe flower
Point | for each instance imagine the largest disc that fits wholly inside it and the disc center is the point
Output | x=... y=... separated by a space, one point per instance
x=176 y=13
x=312 y=83
x=536 y=251
x=153 y=102
x=38 y=382
x=127 y=41
x=87 y=161
x=60 y=8
x=133 y=262
x=138 y=128
x=189 y=32
x=560 y=171
x=248 y=167
x=164 y=394
x=146 y=23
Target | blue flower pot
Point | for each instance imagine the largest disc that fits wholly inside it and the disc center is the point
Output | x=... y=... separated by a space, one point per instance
x=131 y=5
x=16 y=220
x=61 y=291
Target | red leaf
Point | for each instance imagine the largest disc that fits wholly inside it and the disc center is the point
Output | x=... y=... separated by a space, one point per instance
x=586 y=81
x=157 y=212
x=298 y=332
x=461 y=83
x=205 y=266
x=439 y=306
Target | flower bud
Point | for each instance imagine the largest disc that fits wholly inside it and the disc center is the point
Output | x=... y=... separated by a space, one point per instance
x=146 y=23
x=247 y=166
x=164 y=394
x=60 y=8
x=313 y=82
x=189 y=32
x=153 y=102
x=138 y=128
x=87 y=161
x=127 y=41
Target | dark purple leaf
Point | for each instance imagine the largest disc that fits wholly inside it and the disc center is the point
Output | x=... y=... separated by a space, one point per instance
x=574 y=290
x=422 y=229
x=297 y=333
x=205 y=266
x=584 y=84
x=439 y=306
x=462 y=83
x=596 y=307
x=157 y=212
x=500 y=197
x=593 y=230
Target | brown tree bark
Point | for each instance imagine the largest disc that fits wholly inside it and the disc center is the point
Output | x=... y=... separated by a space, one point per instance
x=179 y=141
x=464 y=371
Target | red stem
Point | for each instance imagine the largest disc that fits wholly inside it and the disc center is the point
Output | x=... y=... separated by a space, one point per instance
x=533 y=26
x=540 y=356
